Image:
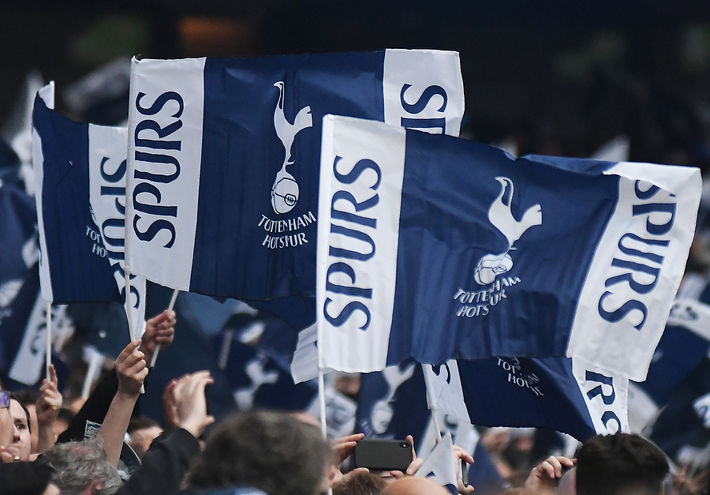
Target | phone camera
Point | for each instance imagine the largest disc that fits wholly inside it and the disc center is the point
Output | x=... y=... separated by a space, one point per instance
x=404 y=445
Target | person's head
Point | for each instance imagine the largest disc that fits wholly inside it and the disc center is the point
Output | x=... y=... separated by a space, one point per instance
x=271 y=451
x=82 y=468
x=21 y=437
x=28 y=399
x=620 y=464
x=63 y=420
x=27 y=478
x=414 y=486
x=360 y=484
x=142 y=431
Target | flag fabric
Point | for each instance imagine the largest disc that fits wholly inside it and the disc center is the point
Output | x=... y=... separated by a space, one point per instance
x=224 y=154
x=80 y=193
x=682 y=428
x=435 y=248
x=684 y=345
x=556 y=393
x=439 y=465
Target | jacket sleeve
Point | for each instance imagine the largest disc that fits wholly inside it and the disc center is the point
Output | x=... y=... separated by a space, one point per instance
x=94 y=409
x=164 y=465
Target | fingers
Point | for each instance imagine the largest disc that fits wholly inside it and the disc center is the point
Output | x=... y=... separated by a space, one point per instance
x=128 y=350
x=460 y=453
x=466 y=489
x=53 y=375
x=397 y=474
x=349 y=438
x=414 y=466
x=410 y=438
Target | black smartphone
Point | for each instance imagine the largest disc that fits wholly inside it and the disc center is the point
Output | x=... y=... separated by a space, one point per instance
x=383 y=455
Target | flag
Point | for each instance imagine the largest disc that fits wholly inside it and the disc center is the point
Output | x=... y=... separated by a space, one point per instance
x=259 y=381
x=439 y=465
x=224 y=154
x=682 y=429
x=556 y=393
x=392 y=404
x=459 y=250
x=80 y=193
x=684 y=345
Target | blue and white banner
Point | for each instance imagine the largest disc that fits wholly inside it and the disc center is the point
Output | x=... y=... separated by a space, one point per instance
x=439 y=465
x=80 y=174
x=434 y=247
x=684 y=345
x=223 y=158
x=556 y=393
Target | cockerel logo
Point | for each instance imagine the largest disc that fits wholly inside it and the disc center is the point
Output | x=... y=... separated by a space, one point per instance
x=501 y=217
x=284 y=192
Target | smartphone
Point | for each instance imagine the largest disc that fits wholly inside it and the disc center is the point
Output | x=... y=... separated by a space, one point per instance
x=383 y=455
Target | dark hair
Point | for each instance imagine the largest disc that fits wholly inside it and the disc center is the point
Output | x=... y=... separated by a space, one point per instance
x=272 y=451
x=25 y=396
x=612 y=464
x=141 y=422
x=360 y=484
x=14 y=396
x=24 y=478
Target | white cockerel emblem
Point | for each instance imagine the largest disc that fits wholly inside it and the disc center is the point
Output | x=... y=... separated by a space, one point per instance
x=284 y=192
x=501 y=217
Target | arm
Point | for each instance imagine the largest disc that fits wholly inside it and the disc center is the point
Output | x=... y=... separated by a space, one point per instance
x=132 y=370
x=167 y=460
x=48 y=405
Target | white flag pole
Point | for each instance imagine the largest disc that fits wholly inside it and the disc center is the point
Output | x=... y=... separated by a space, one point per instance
x=170 y=308
x=129 y=308
x=48 y=350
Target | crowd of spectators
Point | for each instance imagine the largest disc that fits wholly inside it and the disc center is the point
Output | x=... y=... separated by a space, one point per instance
x=103 y=449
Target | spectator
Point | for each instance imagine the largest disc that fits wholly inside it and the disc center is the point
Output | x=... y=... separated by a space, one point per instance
x=27 y=478
x=21 y=445
x=414 y=486
x=620 y=464
x=361 y=483
x=142 y=431
x=82 y=467
x=271 y=451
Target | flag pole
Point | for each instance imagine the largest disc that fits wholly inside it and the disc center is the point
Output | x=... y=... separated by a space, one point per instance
x=170 y=308
x=432 y=410
x=129 y=307
x=48 y=350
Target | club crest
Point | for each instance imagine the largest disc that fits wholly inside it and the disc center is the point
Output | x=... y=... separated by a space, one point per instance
x=284 y=192
x=501 y=217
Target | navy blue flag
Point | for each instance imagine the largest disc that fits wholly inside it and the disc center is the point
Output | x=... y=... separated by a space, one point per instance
x=554 y=393
x=259 y=381
x=224 y=156
x=80 y=193
x=435 y=248
x=684 y=345
x=682 y=429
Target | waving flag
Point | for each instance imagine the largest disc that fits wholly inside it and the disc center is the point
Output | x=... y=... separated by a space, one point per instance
x=80 y=192
x=224 y=155
x=439 y=465
x=434 y=248
x=684 y=345
x=556 y=393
